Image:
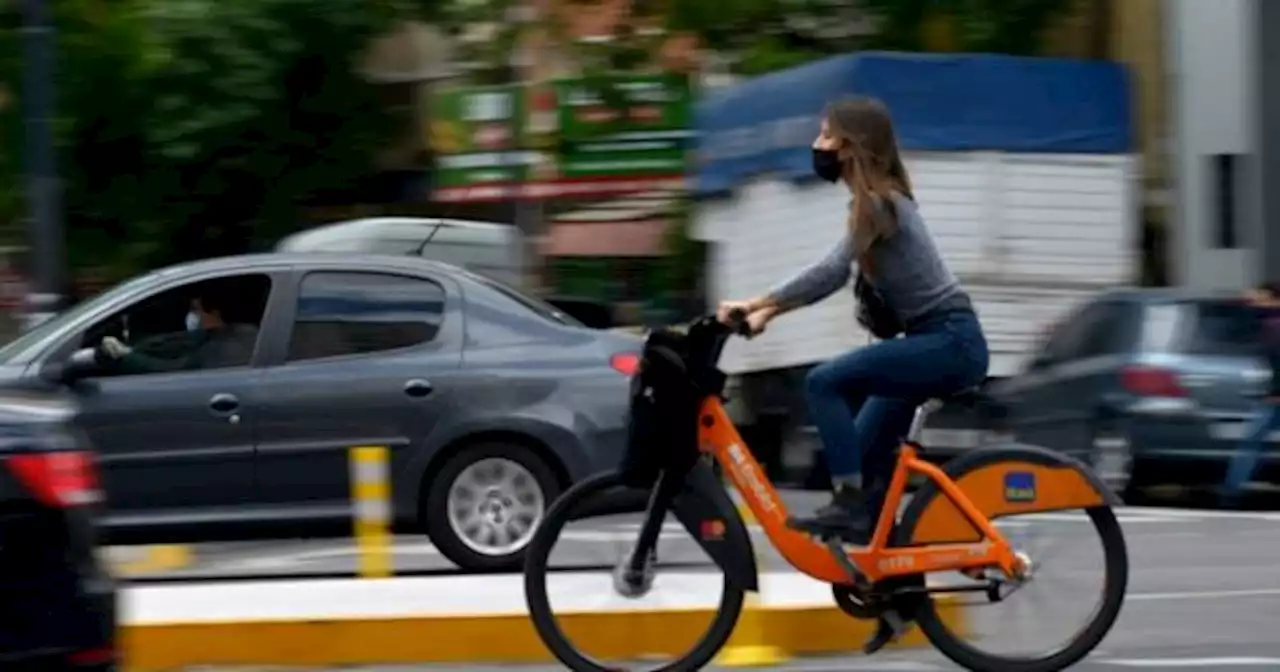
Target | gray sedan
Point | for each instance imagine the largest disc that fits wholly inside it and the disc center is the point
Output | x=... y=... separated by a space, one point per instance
x=490 y=402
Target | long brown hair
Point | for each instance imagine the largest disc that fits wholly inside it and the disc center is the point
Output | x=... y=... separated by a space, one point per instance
x=872 y=168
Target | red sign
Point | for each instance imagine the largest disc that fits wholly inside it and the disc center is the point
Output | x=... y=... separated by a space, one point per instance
x=538 y=190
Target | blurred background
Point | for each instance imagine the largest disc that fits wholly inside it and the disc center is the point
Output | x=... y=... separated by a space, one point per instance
x=1096 y=172
x=141 y=134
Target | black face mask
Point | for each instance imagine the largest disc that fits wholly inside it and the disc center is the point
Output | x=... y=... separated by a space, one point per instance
x=826 y=163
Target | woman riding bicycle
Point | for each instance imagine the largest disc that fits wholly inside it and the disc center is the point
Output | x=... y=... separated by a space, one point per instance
x=862 y=402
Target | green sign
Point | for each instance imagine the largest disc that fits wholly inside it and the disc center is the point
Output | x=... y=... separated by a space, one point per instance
x=476 y=134
x=569 y=136
x=626 y=126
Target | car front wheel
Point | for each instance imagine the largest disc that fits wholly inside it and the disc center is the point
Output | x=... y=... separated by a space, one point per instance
x=483 y=506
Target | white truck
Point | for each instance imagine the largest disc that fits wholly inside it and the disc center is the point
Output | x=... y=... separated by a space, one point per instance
x=1031 y=196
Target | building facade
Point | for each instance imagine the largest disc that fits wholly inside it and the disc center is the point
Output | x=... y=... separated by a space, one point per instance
x=1224 y=102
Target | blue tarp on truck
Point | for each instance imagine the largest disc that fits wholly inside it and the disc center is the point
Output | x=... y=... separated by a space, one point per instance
x=939 y=102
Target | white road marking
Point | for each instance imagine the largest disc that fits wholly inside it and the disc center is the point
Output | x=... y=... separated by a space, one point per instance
x=1202 y=595
x=288 y=559
x=871 y=665
x=1198 y=663
x=1204 y=514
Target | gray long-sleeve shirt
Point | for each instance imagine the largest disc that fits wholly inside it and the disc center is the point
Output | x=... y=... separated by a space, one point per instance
x=909 y=272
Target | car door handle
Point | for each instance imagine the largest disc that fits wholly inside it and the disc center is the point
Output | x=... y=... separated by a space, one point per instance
x=224 y=404
x=417 y=388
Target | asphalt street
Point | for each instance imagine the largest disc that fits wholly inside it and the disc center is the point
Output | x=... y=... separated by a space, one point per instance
x=1204 y=588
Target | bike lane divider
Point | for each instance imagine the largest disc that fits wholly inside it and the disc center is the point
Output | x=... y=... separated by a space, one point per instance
x=459 y=619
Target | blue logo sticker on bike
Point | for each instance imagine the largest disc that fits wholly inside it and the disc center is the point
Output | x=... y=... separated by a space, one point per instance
x=1019 y=486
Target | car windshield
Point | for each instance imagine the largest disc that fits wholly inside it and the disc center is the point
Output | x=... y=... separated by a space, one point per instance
x=538 y=306
x=28 y=344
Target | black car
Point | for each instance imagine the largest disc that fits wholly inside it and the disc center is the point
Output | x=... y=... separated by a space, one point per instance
x=489 y=401
x=57 y=601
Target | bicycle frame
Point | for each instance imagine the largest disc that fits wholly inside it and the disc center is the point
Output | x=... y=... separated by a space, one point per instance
x=718 y=437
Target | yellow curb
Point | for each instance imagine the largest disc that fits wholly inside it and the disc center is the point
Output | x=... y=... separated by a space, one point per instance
x=488 y=639
x=155 y=560
x=750 y=645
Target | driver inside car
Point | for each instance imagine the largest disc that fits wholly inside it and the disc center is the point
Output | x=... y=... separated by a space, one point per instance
x=210 y=342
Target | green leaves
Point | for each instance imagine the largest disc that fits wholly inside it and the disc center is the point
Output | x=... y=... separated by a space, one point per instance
x=197 y=127
x=992 y=26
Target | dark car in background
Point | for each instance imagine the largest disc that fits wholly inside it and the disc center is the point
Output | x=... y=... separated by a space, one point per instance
x=57 y=601
x=490 y=401
x=1147 y=386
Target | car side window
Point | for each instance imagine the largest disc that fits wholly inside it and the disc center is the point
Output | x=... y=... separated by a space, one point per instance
x=342 y=313
x=1084 y=328
x=1110 y=330
x=1062 y=337
x=199 y=326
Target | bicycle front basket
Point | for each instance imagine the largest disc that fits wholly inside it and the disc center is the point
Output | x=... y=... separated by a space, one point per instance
x=662 y=430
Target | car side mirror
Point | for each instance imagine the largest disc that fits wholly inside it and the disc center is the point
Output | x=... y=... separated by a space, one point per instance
x=82 y=363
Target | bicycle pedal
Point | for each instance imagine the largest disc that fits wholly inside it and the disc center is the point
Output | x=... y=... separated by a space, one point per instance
x=889 y=627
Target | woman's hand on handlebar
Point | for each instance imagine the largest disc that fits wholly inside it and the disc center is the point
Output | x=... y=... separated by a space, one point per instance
x=757 y=321
x=731 y=313
x=746 y=318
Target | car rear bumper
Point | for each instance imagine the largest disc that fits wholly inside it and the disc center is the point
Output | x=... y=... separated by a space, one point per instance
x=60 y=602
x=1196 y=451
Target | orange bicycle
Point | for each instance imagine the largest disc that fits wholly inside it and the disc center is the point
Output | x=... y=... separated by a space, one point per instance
x=680 y=427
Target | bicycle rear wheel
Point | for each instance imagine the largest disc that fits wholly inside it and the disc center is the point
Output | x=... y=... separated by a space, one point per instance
x=583 y=501
x=1091 y=533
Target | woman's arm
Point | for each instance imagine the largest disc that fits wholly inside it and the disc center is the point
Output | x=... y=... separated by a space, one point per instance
x=813 y=284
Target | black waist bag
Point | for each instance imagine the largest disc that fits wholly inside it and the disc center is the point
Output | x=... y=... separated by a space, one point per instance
x=874 y=313
x=662 y=430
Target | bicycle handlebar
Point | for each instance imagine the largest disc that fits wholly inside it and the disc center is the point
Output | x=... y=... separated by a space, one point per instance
x=738 y=323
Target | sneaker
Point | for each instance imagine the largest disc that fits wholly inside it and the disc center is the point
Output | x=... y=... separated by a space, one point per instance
x=846 y=518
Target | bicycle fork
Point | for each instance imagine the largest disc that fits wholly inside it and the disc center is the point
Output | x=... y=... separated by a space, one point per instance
x=633 y=577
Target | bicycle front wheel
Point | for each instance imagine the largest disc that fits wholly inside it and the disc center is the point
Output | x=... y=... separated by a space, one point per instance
x=585 y=562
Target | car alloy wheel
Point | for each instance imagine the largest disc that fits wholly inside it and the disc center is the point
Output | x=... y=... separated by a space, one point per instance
x=495 y=505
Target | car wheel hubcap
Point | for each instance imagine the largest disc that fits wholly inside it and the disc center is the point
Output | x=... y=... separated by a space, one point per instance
x=495 y=506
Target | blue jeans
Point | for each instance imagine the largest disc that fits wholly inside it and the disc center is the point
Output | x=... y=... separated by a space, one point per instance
x=862 y=402
x=1246 y=458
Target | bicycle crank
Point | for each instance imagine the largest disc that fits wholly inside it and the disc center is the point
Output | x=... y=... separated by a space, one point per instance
x=856 y=603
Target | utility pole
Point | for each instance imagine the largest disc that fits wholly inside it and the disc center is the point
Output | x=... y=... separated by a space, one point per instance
x=525 y=213
x=44 y=189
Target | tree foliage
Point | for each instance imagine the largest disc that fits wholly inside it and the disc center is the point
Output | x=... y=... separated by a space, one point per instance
x=195 y=127
x=991 y=26
x=759 y=36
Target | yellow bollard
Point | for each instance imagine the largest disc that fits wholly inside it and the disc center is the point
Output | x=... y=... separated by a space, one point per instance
x=750 y=644
x=371 y=499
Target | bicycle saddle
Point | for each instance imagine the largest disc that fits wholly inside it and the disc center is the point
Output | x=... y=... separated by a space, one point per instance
x=969 y=396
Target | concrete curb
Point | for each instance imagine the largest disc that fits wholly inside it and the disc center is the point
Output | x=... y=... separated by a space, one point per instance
x=497 y=639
